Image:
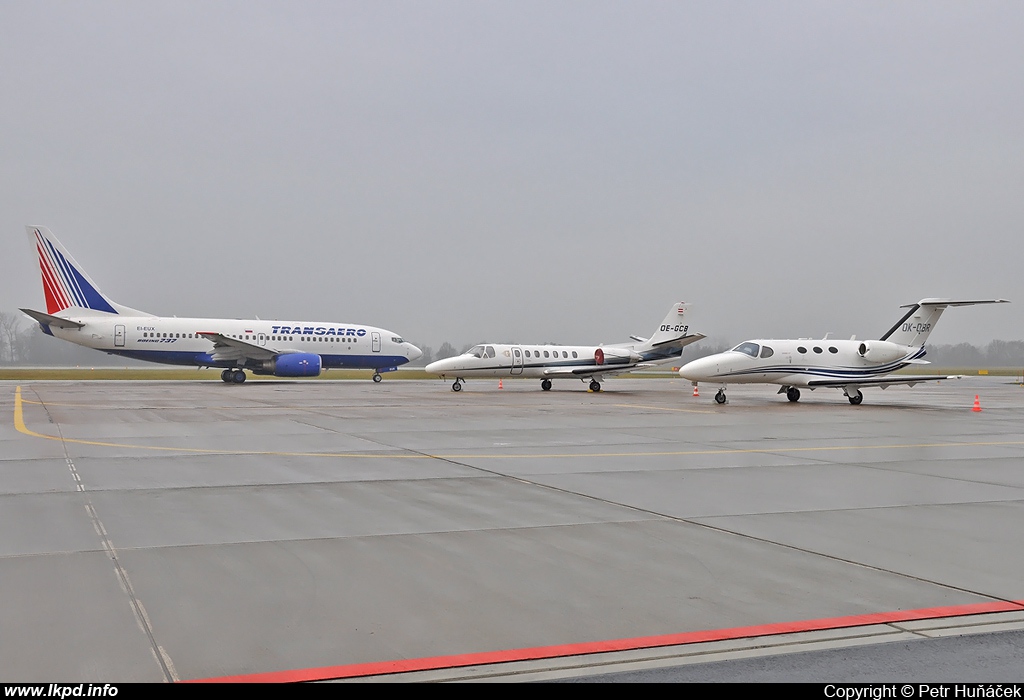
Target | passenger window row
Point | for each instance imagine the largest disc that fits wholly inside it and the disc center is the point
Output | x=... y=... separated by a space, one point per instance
x=554 y=353
x=251 y=337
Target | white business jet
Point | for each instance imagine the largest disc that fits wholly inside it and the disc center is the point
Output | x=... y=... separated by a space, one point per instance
x=77 y=311
x=583 y=362
x=849 y=365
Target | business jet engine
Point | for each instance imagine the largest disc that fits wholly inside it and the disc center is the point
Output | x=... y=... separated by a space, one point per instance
x=615 y=356
x=297 y=364
x=881 y=351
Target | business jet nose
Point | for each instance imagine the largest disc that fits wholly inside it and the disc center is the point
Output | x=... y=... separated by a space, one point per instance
x=441 y=366
x=699 y=370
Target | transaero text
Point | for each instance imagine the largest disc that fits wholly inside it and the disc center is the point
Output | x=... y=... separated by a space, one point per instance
x=315 y=330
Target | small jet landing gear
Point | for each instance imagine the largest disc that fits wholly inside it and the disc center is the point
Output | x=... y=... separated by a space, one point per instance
x=720 y=396
x=545 y=384
x=595 y=385
x=793 y=394
x=377 y=377
x=457 y=386
x=855 y=398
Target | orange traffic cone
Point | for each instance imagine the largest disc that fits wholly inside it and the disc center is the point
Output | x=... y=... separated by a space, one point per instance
x=499 y=384
x=695 y=392
x=977 y=404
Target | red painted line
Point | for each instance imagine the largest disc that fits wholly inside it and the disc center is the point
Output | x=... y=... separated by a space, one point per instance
x=665 y=640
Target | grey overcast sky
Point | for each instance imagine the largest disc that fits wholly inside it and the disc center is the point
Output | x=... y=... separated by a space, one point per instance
x=528 y=171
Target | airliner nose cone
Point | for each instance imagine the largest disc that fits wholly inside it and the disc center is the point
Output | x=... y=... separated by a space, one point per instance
x=414 y=353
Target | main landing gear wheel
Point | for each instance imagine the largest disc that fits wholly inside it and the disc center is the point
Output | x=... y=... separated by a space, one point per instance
x=793 y=394
x=457 y=386
x=720 y=396
x=595 y=385
x=238 y=376
x=855 y=399
x=377 y=378
x=225 y=376
x=545 y=384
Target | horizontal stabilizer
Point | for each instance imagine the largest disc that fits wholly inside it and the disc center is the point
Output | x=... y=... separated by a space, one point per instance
x=918 y=323
x=681 y=341
x=48 y=320
x=955 y=302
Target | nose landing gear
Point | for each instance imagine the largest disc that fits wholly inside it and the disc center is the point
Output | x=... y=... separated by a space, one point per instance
x=545 y=384
x=720 y=396
x=457 y=386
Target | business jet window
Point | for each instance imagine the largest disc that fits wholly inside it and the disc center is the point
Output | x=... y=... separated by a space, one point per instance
x=574 y=353
x=817 y=349
x=833 y=350
x=527 y=353
x=545 y=353
x=766 y=351
x=747 y=349
x=801 y=350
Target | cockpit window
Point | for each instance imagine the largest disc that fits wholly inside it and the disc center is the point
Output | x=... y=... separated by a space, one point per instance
x=476 y=351
x=489 y=351
x=747 y=348
x=766 y=351
x=396 y=339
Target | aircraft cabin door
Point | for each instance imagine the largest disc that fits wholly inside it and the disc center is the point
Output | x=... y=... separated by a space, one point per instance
x=375 y=341
x=517 y=360
x=119 y=336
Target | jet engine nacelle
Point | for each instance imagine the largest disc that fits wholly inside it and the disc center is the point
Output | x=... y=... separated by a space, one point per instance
x=298 y=364
x=881 y=351
x=616 y=356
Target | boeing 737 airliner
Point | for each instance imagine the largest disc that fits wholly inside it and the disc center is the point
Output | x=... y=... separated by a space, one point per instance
x=77 y=311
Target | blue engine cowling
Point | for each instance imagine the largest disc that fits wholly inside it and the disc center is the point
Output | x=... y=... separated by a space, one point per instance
x=298 y=364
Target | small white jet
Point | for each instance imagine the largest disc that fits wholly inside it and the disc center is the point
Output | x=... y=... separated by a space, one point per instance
x=583 y=362
x=77 y=311
x=849 y=365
